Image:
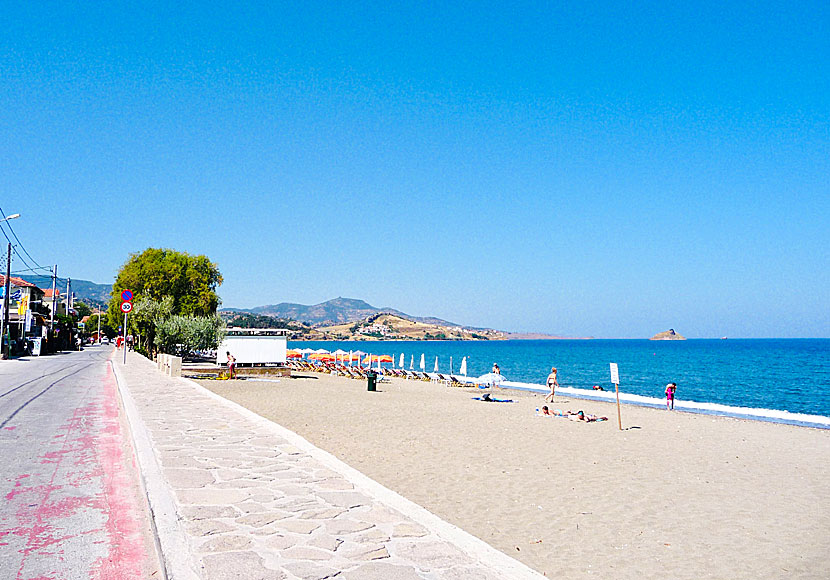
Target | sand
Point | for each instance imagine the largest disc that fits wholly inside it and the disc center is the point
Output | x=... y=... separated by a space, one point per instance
x=673 y=495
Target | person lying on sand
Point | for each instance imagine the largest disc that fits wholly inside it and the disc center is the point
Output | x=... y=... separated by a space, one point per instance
x=581 y=416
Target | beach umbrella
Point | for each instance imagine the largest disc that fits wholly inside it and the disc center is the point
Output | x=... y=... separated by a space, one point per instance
x=422 y=366
x=490 y=379
x=321 y=351
x=412 y=362
x=435 y=370
x=463 y=369
x=400 y=364
x=293 y=354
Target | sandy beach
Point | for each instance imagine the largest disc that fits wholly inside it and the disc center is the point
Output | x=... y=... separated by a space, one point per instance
x=673 y=495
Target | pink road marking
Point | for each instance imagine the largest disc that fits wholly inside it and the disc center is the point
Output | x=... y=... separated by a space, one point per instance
x=97 y=455
x=123 y=525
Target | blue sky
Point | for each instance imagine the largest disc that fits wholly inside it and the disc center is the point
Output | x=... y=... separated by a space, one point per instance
x=582 y=169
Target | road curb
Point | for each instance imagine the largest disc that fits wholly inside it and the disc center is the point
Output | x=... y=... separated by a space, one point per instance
x=173 y=549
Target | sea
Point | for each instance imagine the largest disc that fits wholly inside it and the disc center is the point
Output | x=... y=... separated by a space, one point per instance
x=778 y=380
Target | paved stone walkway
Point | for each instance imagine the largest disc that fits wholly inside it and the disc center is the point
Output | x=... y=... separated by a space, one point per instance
x=236 y=496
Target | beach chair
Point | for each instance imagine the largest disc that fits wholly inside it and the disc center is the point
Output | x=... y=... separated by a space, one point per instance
x=454 y=382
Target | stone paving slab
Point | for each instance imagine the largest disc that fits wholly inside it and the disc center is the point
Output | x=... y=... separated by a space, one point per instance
x=237 y=496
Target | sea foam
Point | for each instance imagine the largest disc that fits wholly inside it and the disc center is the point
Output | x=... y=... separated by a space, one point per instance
x=769 y=415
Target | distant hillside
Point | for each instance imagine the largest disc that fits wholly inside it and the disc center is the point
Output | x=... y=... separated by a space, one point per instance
x=385 y=326
x=85 y=291
x=337 y=311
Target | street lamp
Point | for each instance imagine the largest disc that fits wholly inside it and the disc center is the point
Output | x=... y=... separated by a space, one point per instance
x=4 y=323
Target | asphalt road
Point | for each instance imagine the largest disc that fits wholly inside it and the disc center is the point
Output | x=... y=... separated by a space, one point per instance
x=71 y=507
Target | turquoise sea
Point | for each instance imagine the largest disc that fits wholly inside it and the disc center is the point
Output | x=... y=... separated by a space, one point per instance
x=782 y=380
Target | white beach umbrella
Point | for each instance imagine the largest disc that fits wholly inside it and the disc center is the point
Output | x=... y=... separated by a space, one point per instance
x=412 y=362
x=400 y=364
x=490 y=379
x=463 y=369
x=422 y=366
x=435 y=370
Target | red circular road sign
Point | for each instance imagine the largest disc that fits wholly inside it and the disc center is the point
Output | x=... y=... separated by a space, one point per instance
x=126 y=307
x=126 y=295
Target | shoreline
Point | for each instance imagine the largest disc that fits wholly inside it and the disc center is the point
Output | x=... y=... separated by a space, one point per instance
x=672 y=495
x=683 y=406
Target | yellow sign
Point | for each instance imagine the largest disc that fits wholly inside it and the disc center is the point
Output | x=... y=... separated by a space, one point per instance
x=23 y=306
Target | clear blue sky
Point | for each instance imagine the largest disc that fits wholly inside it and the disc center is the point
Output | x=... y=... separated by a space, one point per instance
x=583 y=169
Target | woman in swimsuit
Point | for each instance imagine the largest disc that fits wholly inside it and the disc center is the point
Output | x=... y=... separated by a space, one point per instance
x=670 y=389
x=552 y=384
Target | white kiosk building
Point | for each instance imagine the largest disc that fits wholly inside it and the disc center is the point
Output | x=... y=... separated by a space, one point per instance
x=254 y=346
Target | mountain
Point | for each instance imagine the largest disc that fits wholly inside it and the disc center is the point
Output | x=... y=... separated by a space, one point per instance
x=85 y=291
x=337 y=311
x=385 y=326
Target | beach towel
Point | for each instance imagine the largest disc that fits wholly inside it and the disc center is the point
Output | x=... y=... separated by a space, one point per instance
x=492 y=400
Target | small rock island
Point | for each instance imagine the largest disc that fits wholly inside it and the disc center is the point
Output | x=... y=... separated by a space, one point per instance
x=670 y=334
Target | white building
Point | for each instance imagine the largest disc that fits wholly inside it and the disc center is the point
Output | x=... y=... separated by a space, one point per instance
x=254 y=346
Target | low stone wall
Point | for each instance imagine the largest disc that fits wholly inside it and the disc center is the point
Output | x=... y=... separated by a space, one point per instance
x=169 y=365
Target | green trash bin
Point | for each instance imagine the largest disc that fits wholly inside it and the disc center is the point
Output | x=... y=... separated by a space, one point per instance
x=371 y=381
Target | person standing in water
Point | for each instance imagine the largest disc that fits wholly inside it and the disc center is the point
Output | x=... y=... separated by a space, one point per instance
x=670 y=389
x=552 y=384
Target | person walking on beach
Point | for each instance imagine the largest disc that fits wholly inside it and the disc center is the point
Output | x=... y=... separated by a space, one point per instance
x=231 y=364
x=552 y=384
x=670 y=389
x=496 y=369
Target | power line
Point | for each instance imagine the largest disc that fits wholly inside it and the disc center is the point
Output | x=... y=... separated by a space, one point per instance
x=22 y=247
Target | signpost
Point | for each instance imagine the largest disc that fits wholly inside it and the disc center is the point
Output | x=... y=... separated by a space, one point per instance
x=126 y=308
x=615 y=378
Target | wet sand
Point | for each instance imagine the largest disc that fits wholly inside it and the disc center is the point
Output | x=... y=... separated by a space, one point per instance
x=673 y=495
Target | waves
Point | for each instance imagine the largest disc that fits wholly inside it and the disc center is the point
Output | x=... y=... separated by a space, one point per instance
x=769 y=415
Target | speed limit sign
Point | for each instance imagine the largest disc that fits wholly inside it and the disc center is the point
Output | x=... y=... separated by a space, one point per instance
x=126 y=307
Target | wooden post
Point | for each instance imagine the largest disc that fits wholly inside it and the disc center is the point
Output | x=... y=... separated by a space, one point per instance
x=619 y=416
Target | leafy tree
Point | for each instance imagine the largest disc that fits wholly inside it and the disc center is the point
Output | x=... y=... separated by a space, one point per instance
x=190 y=281
x=182 y=334
x=146 y=315
x=82 y=309
x=92 y=326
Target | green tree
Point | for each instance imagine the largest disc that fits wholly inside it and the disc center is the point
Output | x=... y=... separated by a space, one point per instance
x=190 y=281
x=182 y=334
x=92 y=326
x=146 y=315
x=82 y=309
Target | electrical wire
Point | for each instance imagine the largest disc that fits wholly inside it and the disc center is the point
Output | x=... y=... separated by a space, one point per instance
x=22 y=247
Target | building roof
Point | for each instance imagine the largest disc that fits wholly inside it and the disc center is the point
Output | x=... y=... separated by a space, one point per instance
x=19 y=282
x=47 y=292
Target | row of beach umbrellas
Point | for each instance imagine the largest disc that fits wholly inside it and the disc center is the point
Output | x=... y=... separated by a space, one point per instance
x=339 y=355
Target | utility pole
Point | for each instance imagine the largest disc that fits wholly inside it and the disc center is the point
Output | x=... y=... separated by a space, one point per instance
x=54 y=298
x=4 y=328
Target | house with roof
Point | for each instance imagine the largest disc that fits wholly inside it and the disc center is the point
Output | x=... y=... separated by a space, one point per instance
x=60 y=305
x=25 y=316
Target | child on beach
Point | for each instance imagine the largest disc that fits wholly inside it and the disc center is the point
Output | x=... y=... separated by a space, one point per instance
x=670 y=389
x=552 y=384
x=231 y=364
